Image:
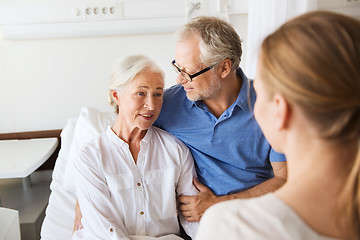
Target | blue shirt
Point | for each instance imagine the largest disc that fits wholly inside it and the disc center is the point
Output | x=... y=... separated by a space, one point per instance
x=231 y=153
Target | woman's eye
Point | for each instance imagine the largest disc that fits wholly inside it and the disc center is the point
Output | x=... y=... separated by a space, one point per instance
x=141 y=93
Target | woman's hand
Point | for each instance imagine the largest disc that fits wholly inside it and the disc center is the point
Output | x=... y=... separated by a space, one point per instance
x=78 y=216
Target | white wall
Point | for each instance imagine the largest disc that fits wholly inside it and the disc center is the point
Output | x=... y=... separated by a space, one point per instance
x=44 y=82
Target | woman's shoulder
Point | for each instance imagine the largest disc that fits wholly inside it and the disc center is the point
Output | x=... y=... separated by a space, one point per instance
x=166 y=136
x=265 y=217
x=234 y=219
x=95 y=143
x=92 y=151
x=168 y=144
x=251 y=206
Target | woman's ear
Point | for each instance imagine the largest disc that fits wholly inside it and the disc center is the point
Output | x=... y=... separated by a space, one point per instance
x=225 y=68
x=283 y=112
x=115 y=96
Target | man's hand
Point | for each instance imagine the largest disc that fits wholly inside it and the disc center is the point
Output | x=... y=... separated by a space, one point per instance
x=193 y=207
x=78 y=216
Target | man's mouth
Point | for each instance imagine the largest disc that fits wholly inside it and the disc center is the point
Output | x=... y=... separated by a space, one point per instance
x=188 y=89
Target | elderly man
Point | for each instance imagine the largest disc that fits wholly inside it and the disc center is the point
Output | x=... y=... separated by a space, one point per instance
x=210 y=110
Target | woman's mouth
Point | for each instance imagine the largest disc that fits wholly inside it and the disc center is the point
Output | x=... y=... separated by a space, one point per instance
x=147 y=115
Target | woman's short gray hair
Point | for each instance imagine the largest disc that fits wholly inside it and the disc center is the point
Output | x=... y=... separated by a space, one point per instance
x=126 y=69
x=218 y=40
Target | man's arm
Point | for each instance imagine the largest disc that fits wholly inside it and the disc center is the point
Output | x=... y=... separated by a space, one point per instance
x=193 y=207
x=280 y=175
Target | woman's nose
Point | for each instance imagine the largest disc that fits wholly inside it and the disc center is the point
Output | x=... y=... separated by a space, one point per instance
x=150 y=103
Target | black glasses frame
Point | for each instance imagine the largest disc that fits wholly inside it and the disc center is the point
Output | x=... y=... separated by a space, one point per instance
x=189 y=76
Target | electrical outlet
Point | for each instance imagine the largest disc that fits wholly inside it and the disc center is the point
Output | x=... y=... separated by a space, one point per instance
x=102 y=10
x=195 y=8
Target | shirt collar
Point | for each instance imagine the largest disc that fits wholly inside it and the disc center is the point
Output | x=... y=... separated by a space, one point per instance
x=114 y=138
x=242 y=100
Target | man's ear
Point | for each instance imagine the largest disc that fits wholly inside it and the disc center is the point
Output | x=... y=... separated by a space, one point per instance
x=283 y=112
x=225 y=68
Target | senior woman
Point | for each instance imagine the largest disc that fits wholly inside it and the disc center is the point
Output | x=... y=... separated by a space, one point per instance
x=129 y=177
x=308 y=106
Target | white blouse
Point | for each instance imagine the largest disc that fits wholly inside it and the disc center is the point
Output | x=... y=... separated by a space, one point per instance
x=119 y=198
x=265 y=217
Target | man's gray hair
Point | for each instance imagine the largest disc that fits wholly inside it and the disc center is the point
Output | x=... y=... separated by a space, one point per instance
x=218 y=40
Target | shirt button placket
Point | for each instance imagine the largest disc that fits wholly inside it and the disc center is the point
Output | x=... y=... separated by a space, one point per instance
x=141 y=229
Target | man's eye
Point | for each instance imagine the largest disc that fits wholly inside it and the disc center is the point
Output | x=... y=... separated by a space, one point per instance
x=141 y=93
x=158 y=94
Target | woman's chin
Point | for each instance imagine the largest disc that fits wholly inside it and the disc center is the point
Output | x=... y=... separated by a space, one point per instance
x=145 y=126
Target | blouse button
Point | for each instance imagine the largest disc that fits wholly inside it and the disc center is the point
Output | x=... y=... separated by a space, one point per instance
x=141 y=213
x=139 y=184
x=111 y=229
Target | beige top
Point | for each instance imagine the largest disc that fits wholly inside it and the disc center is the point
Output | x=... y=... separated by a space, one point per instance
x=266 y=217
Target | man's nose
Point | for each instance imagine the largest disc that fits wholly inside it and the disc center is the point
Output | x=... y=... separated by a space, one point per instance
x=180 y=79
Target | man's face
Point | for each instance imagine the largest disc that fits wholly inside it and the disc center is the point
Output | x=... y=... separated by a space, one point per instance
x=187 y=57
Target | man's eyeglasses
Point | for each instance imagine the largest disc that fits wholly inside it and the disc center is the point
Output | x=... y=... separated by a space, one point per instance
x=188 y=76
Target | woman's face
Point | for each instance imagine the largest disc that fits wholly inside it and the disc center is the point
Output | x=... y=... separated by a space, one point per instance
x=141 y=100
x=265 y=110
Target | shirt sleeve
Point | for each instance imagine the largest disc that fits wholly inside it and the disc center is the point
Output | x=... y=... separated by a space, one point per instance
x=185 y=187
x=276 y=157
x=100 y=219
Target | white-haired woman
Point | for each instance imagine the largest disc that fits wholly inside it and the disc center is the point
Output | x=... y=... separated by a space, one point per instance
x=129 y=177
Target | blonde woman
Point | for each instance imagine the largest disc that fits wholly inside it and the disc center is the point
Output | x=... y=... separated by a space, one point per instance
x=308 y=106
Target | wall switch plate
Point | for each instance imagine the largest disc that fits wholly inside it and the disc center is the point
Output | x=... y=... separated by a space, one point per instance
x=196 y=8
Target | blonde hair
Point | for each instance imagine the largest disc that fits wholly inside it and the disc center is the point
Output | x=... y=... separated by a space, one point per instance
x=314 y=62
x=218 y=40
x=125 y=70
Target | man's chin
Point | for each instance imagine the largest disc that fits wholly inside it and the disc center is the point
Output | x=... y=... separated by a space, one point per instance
x=192 y=97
